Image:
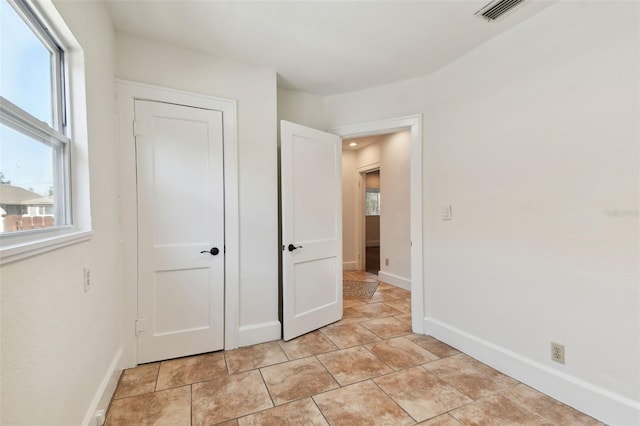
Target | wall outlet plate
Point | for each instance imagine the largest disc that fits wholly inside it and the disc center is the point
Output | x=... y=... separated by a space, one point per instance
x=557 y=352
x=87 y=279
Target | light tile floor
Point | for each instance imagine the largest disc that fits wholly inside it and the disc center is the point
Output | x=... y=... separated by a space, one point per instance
x=366 y=369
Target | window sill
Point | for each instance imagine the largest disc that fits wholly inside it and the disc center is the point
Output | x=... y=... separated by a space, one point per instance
x=22 y=250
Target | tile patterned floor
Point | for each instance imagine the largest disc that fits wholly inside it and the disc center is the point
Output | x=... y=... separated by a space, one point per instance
x=366 y=369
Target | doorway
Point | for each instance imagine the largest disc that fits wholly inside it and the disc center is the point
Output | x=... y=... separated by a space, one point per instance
x=379 y=220
x=128 y=94
x=413 y=124
x=371 y=219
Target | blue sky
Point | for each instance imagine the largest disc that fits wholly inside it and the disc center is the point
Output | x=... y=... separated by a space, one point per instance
x=25 y=80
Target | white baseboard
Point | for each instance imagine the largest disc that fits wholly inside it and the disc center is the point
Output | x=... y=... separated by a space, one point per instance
x=373 y=243
x=593 y=400
x=385 y=277
x=104 y=393
x=259 y=333
x=350 y=266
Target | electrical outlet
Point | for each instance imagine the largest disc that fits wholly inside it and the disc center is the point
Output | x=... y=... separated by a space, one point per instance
x=87 y=279
x=386 y=261
x=557 y=352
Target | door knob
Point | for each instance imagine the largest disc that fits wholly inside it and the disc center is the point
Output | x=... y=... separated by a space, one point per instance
x=214 y=251
x=291 y=247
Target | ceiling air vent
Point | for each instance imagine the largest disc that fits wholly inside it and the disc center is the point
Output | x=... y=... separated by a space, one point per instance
x=497 y=8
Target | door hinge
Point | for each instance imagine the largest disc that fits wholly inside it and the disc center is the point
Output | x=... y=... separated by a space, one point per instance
x=141 y=325
x=135 y=129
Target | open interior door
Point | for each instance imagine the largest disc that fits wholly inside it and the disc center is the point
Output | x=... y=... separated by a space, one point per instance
x=311 y=228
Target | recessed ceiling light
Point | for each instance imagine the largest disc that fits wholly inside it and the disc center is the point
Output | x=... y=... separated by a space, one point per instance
x=353 y=144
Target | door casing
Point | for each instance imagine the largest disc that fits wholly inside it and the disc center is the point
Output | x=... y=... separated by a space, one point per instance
x=127 y=92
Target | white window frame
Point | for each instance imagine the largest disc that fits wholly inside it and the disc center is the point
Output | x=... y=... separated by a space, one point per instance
x=67 y=136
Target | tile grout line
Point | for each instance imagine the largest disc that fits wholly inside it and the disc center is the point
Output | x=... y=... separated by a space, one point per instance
x=155 y=387
x=320 y=410
x=394 y=401
x=264 y=382
x=503 y=392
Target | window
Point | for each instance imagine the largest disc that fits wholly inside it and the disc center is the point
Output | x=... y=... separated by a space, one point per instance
x=44 y=168
x=34 y=146
x=372 y=202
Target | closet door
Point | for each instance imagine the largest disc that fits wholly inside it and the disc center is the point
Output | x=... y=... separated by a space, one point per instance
x=180 y=230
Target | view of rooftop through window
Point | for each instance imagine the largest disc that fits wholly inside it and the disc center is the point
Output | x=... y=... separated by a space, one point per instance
x=29 y=157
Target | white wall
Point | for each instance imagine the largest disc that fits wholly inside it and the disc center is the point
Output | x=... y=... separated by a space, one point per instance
x=533 y=139
x=301 y=108
x=164 y=65
x=350 y=197
x=58 y=343
x=395 y=223
x=372 y=180
x=368 y=156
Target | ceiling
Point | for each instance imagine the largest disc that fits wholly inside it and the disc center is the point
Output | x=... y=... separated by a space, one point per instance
x=361 y=142
x=322 y=47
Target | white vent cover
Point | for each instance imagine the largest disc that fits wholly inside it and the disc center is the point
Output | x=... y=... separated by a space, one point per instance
x=497 y=8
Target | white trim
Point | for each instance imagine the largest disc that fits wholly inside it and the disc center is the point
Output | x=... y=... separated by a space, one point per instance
x=361 y=222
x=414 y=123
x=259 y=333
x=350 y=266
x=105 y=391
x=368 y=167
x=395 y=280
x=20 y=120
x=590 y=399
x=20 y=251
x=127 y=91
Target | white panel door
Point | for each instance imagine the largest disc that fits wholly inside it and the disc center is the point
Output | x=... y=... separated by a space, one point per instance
x=311 y=228
x=180 y=230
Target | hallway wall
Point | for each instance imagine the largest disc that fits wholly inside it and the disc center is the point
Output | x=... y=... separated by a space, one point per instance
x=350 y=200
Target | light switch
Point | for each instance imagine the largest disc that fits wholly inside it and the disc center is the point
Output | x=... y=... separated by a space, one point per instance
x=446 y=212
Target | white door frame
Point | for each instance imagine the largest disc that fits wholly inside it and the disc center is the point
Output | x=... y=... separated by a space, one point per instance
x=361 y=220
x=127 y=92
x=413 y=123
